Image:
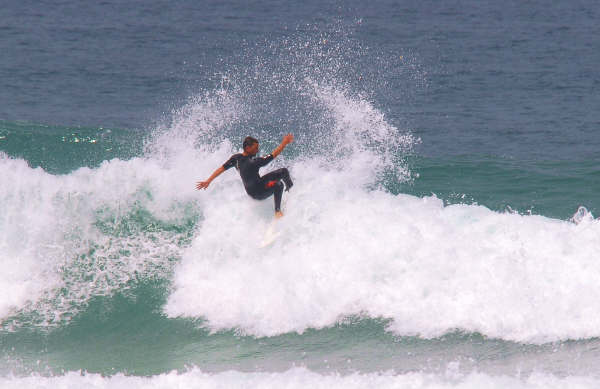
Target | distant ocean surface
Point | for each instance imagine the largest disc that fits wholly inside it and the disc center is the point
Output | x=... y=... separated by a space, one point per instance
x=442 y=231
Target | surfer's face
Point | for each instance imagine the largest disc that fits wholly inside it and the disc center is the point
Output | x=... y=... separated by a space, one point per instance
x=252 y=150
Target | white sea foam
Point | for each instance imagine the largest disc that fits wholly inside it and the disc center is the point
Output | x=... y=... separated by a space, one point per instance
x=299 y=378
x=346 y=250
x=54 y=252
x=26 y=269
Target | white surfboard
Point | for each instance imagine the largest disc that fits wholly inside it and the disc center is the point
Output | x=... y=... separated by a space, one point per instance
x=271 y=235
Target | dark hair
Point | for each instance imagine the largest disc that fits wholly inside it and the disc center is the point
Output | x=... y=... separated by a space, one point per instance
x=249 y=141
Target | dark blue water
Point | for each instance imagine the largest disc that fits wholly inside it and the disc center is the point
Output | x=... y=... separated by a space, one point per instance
x=513 y=79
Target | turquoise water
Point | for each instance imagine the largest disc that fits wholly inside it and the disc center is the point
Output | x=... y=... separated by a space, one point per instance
x=441 y=231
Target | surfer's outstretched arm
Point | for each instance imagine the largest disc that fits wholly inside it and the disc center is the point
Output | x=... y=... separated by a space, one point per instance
x=205 y=184
x=289 y=138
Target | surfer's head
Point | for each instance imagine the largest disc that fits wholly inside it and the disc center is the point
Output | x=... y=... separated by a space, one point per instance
x=250 y=145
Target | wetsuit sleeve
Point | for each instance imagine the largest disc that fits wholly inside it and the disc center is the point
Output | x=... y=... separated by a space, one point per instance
x=262 y=161
x=231 y=162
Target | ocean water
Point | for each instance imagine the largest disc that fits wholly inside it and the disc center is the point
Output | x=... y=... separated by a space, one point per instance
x=441 y=232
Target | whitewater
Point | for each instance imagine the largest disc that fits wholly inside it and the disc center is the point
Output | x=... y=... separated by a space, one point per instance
x=301 y=378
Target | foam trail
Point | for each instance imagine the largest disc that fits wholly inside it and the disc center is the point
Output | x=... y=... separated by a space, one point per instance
x=300 y=378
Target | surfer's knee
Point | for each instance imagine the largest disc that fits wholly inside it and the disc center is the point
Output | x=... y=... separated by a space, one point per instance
x=287 y=179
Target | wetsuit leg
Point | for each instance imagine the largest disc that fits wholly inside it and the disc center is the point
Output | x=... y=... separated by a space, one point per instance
x=277 y=195
x=275 y=189
x=279 y=174
x=270 y=184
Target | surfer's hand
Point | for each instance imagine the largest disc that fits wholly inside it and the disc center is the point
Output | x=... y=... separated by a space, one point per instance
x=287 y=139
x=202 y=184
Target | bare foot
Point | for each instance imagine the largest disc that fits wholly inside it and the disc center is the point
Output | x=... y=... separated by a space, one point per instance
x=278 y=215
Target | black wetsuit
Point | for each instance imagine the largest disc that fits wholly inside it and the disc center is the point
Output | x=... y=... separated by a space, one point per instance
x=258 y=187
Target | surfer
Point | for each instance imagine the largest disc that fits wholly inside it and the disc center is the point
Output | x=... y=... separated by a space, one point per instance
x=247 y=163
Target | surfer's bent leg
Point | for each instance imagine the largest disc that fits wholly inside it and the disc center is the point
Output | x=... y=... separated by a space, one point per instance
x=279 y=174
x=278 y=191
x=270 y=184
x=270 y=188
